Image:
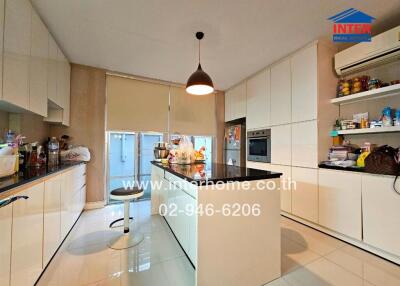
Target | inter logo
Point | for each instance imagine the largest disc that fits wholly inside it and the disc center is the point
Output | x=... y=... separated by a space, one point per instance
x=351 y=26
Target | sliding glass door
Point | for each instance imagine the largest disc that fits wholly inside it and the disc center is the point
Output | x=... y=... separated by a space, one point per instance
x=145 y=156
x=129 y=157
x=121 y=160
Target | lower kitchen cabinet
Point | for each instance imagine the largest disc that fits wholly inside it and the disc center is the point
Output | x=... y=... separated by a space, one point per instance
x=27 y=237
x=286 y=190
x=5 y=244
x=305 y=193
x=72 y=191
x=52 y=217
x=32 y=229
x=340 y=202
x=178 y=206
x=381 y=206
x=192 y=230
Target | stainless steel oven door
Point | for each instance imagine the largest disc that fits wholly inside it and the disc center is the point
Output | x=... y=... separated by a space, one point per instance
x=259 y=149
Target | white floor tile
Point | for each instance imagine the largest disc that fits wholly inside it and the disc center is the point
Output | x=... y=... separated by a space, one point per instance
x=295 y=255
x=308 y=257
x=323 y=272
x=314 y=240
x=367 y=266
x=176 y=272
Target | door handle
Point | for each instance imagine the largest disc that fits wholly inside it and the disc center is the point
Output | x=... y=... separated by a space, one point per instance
x=8 y=201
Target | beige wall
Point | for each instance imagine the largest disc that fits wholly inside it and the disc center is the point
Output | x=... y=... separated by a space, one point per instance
x=29 y=125
x=3 y=123
x=87 y=126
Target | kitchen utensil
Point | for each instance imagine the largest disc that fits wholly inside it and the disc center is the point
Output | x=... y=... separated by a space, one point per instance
x=161 y=145
x=160 y=154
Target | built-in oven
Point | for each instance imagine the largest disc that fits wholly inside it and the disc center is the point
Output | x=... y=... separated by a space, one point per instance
x=259 y=146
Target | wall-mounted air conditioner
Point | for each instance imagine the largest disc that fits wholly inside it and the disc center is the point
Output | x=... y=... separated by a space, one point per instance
x=383 y=48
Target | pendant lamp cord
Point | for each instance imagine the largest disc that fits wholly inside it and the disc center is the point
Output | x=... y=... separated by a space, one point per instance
x=199 y=51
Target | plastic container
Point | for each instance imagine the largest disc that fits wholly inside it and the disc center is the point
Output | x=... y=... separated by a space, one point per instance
x=397 y=118
x=7 y=165
x=387 y=117
x=54 y=152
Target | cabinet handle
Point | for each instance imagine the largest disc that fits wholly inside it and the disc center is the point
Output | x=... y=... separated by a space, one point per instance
x=8 y=201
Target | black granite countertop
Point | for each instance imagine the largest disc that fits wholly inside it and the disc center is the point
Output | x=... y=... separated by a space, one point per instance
x=348 y=169
x=31 y=174
x=340 y=168
x=211 y=173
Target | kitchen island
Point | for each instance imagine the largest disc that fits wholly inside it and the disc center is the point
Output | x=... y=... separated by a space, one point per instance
x=226 y=219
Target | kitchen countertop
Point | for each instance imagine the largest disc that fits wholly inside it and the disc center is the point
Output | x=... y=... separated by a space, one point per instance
x=340 y=168
x=31 y=174
x=203 y=174
x=348 y=169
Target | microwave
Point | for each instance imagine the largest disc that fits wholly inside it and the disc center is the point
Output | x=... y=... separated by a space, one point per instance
x=259 y=146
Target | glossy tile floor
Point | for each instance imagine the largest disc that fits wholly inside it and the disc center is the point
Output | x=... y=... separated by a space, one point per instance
x=308 y=257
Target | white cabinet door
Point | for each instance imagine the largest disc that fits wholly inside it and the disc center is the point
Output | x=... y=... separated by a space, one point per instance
x=192 y=230
x=281 y=93
x=381 y=213
x=52 y=217
x=67 y=94
x=285 y=188
x=340 y=202
x=258 y=100
x=66 y=203
x=304 y=84
x=60 y=78
x=239 y=101
x=5 y=244
x=17 y=48
x=305 y=193
x=281 y=145
x=228 y=106
x=52 y=71
x=38 y=66
x=305 y=144
x=27 y=237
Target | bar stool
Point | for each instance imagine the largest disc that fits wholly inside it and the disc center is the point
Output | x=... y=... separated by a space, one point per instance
x=127 y=239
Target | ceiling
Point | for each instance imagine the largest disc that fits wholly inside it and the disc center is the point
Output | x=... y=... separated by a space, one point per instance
x=155 y=38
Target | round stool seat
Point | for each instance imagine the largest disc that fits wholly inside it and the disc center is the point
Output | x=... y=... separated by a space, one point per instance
x=123 y=194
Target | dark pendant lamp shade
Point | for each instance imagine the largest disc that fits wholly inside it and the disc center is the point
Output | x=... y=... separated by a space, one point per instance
x=199 y=83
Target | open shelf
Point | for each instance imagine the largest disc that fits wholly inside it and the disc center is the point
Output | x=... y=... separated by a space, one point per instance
x=370 y=130
x=378 y=93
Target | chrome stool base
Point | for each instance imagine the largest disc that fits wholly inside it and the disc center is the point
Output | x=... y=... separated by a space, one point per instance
x=126 y=240
x=118 y=220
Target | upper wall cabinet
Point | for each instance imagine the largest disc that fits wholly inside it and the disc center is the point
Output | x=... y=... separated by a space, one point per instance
x=38 y=66
x=235 y=102
x=32 y=67
x=52 y=71
x=258 y=100
x=67 y=92
x=17 y=48
x=281 y=93
x=304 y=84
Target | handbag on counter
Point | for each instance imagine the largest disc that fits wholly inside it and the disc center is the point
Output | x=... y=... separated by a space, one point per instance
x=384 y=160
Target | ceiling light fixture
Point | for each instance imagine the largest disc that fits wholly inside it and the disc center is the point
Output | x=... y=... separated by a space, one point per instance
x=199 y=83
